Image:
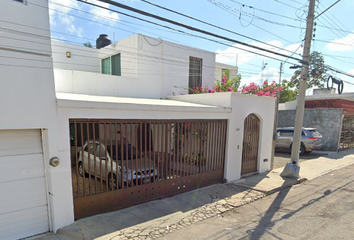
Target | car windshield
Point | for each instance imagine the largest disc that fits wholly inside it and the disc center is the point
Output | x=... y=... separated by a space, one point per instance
x=127 y=155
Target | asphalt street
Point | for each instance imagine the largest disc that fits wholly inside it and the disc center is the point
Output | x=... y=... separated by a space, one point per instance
x=322 y=208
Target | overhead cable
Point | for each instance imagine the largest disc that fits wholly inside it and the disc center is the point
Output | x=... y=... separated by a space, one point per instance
x=184 y=26
x=210 y=24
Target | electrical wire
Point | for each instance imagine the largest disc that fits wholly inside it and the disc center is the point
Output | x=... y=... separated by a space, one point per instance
x=265 y=11
x=230 y=11
x=210 y=24
x=181 y=25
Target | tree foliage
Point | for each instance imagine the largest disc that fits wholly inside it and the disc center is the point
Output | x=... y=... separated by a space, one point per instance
x=288 y=92
x=88 y=44
x=317 y=72
x=226 y=84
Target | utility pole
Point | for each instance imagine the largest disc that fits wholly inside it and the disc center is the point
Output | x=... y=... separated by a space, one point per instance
x=280 y=72
x=292 y=169
x=263 y=67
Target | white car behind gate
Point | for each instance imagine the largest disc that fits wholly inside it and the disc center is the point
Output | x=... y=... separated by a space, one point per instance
x=94 y=159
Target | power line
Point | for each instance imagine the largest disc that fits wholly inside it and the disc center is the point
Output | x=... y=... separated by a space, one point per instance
x=183 y=25
x=331 y=42
x=327 y=9
x=210 y=24
x=227 y=7
x=265 y=11
x=176 y=30
x=285 y=4
x=231 y=11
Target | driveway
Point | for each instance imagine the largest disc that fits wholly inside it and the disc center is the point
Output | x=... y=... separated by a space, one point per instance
x=282 y=158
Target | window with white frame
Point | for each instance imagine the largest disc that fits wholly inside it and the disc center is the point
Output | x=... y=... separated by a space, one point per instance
x=223 y=71
x=195 y=72
x=111 y=65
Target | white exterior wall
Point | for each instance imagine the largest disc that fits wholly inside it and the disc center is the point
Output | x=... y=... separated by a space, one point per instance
x=154 y=68
x=220 y=66
x=128 y=52
x=69 y=81
x=242 y=105
x=27 y=92
x=176 y=68
x=82 y=58
x=163 y=67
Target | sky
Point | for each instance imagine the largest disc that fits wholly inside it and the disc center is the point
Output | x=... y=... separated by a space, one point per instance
x=277 y=25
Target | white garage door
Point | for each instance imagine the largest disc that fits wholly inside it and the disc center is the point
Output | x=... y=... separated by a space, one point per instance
x=23 y=201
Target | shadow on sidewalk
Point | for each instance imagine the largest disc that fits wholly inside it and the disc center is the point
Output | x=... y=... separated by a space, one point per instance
x=267 y=221
x=154 y=214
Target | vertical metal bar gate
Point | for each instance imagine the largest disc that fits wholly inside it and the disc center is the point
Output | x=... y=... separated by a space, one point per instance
x=120 y=163
x=250 y=144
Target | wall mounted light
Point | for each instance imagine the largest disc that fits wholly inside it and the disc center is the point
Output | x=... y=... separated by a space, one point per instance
x=68 y=54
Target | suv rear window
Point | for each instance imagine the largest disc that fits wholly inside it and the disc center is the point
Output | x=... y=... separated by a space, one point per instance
x=286 y=132
x=315 y=133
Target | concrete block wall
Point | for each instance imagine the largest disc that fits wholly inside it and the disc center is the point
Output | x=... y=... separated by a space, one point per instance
x=328 y=122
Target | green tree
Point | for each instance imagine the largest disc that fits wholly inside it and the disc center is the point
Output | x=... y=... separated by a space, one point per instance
x=317 y=72
x=226 y=84
x=235 y=82
x=88 y=44
x=288 y=91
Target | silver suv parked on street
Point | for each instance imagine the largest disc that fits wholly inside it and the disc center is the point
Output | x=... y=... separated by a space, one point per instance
x=311 y=139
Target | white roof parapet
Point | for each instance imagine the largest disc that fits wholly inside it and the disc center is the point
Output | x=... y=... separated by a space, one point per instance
x=71 y=100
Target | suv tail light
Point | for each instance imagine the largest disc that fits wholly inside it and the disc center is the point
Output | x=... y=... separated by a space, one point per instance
x=313 y=138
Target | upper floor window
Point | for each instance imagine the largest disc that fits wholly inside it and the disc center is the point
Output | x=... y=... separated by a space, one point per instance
x=111 y=65
x=223 y=71
x=195 y=72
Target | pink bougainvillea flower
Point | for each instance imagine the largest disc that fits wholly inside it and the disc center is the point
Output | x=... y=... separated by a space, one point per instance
x=230 y=89
x=223 y=80
x=212 y=90
x=267 y=94
x=265 y=82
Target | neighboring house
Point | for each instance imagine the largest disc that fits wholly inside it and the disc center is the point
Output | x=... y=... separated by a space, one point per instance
x=50 y=114
x=220 y=69
x=330 y=113
x=137 y=66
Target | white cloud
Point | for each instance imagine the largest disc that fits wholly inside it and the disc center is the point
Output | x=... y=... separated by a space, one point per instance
x=342 y=44
x=58 y=13
x=270 y=74
x=103 y=15
x=228 y=55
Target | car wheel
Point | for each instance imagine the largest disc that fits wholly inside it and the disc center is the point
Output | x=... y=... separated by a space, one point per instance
x=302 y=149
x=112 y=181
x=82 y=171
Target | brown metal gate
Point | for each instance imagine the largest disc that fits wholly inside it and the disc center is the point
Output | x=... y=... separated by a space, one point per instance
x=120 y=163
x=250 y=144
x=347 y=133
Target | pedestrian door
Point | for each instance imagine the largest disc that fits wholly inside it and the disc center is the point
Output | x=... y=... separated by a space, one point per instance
x=250 y=144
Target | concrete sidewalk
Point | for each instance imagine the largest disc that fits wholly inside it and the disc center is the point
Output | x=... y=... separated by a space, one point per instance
x=157 y=218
